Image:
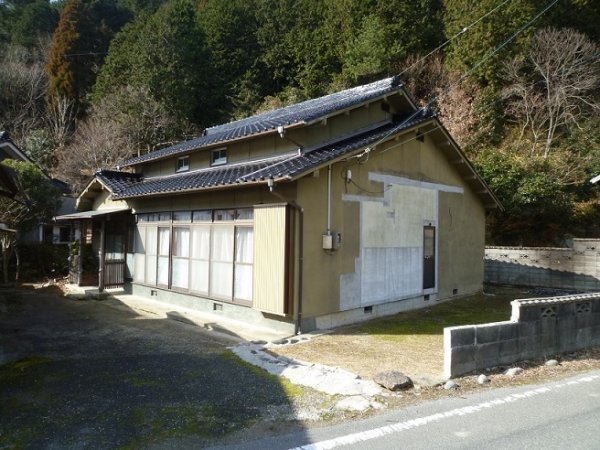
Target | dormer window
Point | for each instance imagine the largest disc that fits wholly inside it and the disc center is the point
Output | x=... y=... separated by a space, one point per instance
x=219 y=156
x=183 y=164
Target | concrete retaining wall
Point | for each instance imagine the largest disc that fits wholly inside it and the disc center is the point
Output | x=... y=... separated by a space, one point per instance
x=538 y=328
x=576 y=268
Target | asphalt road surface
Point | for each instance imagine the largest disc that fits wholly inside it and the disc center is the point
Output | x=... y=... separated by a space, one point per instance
x=558 y=415
x=87 y=374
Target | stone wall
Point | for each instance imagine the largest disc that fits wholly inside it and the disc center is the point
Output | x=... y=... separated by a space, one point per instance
x=538 y=328
x=576 y=268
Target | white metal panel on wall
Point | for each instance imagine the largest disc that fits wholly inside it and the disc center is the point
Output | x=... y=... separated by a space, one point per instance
x=270 y=259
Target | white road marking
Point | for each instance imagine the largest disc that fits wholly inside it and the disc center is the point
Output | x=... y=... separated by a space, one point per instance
x=368 y=435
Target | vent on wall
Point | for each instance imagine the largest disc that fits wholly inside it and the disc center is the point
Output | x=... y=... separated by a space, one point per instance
x=368 y=310
x=454 y=291
x=217 y=307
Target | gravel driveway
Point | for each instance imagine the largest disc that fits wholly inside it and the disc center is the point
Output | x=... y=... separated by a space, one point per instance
x=85 y=374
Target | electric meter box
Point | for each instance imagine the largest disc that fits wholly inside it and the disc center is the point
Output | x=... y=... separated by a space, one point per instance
x=332 y=241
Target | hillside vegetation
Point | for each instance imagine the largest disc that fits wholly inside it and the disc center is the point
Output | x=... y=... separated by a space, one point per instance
x=85 y=84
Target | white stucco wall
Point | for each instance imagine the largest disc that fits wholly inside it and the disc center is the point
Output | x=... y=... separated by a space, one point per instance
x=390 y=262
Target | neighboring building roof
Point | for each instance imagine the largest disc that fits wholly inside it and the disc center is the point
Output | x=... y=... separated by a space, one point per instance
x=300 y=113
x=9 y=186
x=9 y=150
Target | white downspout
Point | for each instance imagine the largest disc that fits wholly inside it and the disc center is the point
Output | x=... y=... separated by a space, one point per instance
x=329 y=199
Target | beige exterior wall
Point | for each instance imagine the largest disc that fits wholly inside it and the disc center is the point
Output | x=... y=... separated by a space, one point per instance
x=103 y=201
x=401 y=186
x=381 y=256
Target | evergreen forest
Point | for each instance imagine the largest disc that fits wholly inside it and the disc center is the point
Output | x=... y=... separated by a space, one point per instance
x=85 y=84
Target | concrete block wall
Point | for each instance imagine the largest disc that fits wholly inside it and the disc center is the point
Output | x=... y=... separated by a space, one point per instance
x=575 y=268
x=540 y=327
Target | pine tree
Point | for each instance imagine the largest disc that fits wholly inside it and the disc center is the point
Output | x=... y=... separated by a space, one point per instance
x=67 y=68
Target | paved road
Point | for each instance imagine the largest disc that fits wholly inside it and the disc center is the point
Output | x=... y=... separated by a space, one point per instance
x=559 y=415
x=84 y=374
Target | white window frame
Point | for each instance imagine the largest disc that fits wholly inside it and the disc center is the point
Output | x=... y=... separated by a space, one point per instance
x=241 y=262
x=183 y=164
x=219 y=156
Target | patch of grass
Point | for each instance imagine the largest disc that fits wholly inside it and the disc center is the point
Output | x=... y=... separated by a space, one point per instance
x=159 y=424
x=141 y=378
x=17 y=368
x=289 y=389
x=432 y=320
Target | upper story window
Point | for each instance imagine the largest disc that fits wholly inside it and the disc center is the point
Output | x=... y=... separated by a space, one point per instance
x=183 y=164
x=219 y=156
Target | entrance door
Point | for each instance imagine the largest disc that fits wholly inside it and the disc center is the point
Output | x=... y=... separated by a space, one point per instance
x=113 y=273
x=428 y=257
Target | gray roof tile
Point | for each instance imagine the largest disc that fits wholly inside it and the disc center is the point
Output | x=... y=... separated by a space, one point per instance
x=287 y=166
x=304 y=112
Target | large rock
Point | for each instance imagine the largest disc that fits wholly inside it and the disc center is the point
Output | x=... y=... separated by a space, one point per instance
x=392 y=380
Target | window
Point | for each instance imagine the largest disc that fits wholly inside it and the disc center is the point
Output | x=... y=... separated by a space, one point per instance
x=181 y=255
x=183 y=164
x=208 y=253
x=219 y=156
x=244 y=257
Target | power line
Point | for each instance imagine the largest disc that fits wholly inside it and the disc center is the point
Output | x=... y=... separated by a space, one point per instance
x=461 y=78
x=460 y=33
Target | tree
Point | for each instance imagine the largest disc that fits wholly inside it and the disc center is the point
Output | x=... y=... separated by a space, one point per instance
x=95 y=145
x=229 y=27
x=466 y=51
x=23 y=86
x=554 y=87
x=140 y=119
x=34 y=20
x=41 y=204
x=69 y=74
x=80 y=42
x=166 y=53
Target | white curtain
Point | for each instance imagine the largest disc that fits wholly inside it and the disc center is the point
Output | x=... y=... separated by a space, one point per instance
x=244 y=256
x=201 y=242
x=222 y=244
x=139 y=258
x=244 y=245
x=221 y=267
x=199 y=281
x=162 y=276
x=151 y=249
x=181 y=253
x=181 y=242
x=200 y=259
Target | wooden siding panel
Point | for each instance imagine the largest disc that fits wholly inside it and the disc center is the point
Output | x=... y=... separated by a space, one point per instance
x=270 y=259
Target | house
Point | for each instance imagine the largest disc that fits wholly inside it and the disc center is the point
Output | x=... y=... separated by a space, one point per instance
x=57 y=233
x=331 y=211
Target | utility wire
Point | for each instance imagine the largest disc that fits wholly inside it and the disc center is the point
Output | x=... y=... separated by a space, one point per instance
x=460 y=33
x=460 y=79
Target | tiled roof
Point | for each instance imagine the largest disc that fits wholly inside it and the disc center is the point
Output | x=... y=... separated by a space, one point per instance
x=287 y=166
x=118 y=181
x=299 y=113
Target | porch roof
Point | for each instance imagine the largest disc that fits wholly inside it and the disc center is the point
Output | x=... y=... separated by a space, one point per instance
x=92 y=214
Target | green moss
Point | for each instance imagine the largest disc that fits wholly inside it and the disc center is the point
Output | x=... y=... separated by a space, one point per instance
x=159 y=424
x=432 y=321
x=16 y=369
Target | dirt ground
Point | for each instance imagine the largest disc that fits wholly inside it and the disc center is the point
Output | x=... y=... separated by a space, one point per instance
x=420 y=355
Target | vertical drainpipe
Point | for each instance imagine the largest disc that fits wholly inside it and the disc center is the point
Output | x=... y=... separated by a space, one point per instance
x=298 y=322
x=329 y=199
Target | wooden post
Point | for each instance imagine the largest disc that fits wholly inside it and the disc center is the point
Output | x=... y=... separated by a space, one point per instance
x=101 y=256
x=80 y=258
